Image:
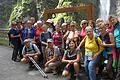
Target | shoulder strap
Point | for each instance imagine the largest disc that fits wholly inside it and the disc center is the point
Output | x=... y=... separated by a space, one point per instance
x=49 y=35
x=96 y=40
x=33 y=47
x=25 y=49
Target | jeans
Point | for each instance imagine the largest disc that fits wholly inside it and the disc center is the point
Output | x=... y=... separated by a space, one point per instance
x=90 y=68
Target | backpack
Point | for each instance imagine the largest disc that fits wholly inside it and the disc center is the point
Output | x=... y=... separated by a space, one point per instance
x=32 y=48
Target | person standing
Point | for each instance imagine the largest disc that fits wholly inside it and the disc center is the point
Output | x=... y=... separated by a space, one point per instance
x=92 y=50
x=15 y=39
x=116 y=26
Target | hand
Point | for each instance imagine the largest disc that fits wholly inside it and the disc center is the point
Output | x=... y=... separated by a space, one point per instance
x=46 y=64
x=103 y=44
x=71 y=62
x=18 y=35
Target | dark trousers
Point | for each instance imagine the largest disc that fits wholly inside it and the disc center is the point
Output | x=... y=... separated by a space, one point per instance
x=118 y=60
x=15 y=52
x=41 y=56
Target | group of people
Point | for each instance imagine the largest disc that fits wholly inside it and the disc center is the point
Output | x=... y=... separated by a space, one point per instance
x=62 y=45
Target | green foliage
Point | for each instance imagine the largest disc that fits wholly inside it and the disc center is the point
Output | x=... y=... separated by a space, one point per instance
x=66 y=4
x=76 y=16
x=23 y=9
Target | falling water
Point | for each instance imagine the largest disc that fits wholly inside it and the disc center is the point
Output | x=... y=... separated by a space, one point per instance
x=104 y=9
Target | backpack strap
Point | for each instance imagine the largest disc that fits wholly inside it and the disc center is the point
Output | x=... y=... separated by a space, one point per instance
x=32 y=48
x=96 y=40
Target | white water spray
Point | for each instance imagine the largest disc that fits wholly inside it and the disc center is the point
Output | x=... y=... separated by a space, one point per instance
x=104 y=9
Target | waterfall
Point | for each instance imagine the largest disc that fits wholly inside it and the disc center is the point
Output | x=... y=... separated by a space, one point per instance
x=104 y=9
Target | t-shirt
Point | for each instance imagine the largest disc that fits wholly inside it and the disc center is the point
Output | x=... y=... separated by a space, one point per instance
x=14 y=32
x=50 y=29
x=83 y=33
x=57 y=39
x=31 y=50
x=117 y=37
x=44 y=36
x=91 y=45
x=37 y=36
x=51 y=52
x=71 y=54
x=28 y=33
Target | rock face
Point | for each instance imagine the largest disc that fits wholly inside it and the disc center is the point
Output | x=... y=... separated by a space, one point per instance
x=118 y=8
x=113 y=6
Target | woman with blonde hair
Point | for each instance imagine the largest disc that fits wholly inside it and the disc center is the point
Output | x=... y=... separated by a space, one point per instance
x=92 y=50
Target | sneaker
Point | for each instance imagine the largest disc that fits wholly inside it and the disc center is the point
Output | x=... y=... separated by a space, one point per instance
x=17 y=60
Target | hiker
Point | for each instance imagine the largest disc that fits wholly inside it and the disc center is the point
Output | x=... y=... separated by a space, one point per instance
x=72 y=60
x=38 y=31
x=108 y=44
x=29 y=31
x=14 y=35
x=57 y=37
x=83 y=24
x=43 y=39
x=50 y=24
x=95 y=29
x=72 y=33
x=31 y=50
x=116 y=26
x=53 y=57
x=92 y=50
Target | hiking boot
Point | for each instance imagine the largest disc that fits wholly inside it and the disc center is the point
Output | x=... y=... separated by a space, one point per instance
x=31 y=67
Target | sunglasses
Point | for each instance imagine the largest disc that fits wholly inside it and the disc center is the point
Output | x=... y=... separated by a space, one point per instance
x=84 y=23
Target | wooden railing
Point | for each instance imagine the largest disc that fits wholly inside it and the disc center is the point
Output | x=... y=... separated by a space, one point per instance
x=4 y=33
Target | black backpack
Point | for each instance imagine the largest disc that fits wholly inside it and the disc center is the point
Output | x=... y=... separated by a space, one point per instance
x=32 y=48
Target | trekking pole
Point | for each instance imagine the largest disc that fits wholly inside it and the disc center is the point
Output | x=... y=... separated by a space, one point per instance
x=38 y=67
